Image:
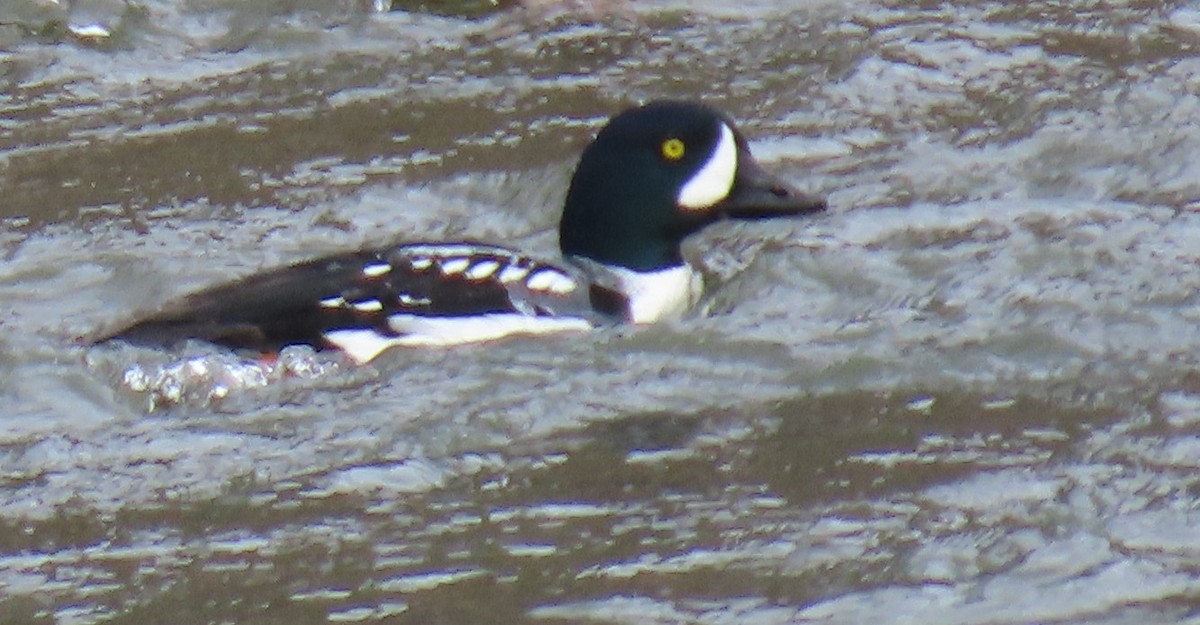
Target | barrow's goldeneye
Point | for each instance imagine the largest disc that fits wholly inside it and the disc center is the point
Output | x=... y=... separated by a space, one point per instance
x=653 y=175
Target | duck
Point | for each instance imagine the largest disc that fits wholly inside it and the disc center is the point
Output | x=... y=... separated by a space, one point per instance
x=653 y=175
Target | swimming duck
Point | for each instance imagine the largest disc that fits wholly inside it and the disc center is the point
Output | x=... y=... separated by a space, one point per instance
x=652 y=176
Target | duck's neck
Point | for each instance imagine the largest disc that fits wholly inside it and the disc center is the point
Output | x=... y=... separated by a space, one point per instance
x=650 y=295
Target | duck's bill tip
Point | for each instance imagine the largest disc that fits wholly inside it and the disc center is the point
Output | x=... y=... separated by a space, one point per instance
x=769 y=198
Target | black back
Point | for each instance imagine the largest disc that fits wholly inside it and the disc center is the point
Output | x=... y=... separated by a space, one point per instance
x=299 y=303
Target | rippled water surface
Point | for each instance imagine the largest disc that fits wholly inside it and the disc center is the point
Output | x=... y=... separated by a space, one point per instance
x=967 y=394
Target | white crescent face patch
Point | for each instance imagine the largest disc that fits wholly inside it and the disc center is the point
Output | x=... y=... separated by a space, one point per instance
x=712 y=182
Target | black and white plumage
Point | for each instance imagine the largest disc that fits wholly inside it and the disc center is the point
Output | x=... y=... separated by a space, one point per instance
x=364 y=302
x=653 y=175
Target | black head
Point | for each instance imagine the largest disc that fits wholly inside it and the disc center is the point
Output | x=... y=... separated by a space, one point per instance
x=658 y=173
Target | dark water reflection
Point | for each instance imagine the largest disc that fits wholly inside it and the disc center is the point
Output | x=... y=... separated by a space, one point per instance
x=966 y=395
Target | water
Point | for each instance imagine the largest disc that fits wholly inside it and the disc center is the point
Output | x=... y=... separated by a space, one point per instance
x=965 y=395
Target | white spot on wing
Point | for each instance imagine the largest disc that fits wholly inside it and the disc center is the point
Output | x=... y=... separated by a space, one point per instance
x=421 y=262
x=408 y=300
x=712 y=182
x=376 y=270
x=333 y=302
x=550 y=280
x=452 y=266
x=371 y=305
x=482 y=269
x=513 y=273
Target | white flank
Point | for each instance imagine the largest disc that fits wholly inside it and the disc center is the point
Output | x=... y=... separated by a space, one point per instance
x=713 y=182
x=361 y=345
x=482 y=269
x=374 y=271
x=416 y=330
x=550 y=280
x=452 y=266
x=440 y=331
x=654 y=295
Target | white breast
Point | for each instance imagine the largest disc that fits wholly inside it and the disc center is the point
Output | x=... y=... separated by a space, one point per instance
x=654 y=295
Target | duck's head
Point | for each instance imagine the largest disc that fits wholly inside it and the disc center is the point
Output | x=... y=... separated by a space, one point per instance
x=660 y=172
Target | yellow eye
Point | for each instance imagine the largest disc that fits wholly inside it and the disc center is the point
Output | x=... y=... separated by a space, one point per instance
x=672 y=149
